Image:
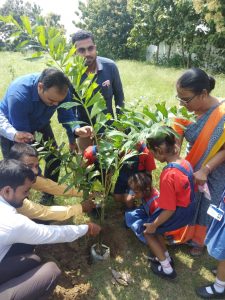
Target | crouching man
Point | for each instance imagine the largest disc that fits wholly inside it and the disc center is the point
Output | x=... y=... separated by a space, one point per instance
x=22 y=275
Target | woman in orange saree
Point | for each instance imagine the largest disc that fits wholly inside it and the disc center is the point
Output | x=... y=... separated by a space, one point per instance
x=206 y=153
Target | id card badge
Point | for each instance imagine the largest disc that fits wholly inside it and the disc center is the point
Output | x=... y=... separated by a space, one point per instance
x=215 y=212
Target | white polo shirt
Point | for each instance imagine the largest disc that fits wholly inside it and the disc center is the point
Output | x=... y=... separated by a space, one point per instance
x=16 y=228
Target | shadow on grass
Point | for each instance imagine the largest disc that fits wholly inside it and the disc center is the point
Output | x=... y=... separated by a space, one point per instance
x=82 y=280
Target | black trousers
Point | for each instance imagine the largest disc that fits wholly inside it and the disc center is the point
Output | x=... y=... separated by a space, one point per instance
x=47 y=135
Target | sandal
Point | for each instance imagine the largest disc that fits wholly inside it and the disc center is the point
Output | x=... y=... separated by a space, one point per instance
x=202 y=292
x=158 y=270
x=196 y=251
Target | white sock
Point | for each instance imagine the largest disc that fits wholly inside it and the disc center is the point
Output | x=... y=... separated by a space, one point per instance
x=167 y=256
x=219 y=285
x=166 y=266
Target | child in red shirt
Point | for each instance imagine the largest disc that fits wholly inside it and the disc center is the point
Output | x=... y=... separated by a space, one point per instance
x=176 y=202
x=141 y=188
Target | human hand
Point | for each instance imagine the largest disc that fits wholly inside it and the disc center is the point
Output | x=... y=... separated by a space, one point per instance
x=87 y=206
x=200 y=177
x=93 y=229
x=150 y=228
x=73 y=148
x=85 y=131
x=23 y=137
x=129 y=201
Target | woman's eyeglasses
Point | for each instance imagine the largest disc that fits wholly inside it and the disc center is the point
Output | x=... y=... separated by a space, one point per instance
x=185 y=100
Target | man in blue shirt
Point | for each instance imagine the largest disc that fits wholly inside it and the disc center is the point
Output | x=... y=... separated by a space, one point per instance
x=29 y=104
x=107 y=77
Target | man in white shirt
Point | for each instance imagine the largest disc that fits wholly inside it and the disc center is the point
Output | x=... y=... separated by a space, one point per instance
x=22 y=276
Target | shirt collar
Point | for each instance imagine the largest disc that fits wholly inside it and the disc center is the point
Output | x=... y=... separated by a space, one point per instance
x=99 y=64
x=5 y=204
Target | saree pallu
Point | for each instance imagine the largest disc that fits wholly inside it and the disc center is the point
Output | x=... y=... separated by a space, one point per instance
x=205 y=137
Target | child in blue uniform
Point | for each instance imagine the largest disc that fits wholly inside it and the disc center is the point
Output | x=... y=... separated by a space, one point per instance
x=176 y=201
x=215 y=242
x=141 y=187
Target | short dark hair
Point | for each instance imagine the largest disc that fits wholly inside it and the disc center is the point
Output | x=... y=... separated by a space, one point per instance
x=164 y=135
x=13 y=173
x=196 y=80
x=52 y=77
x=82 y=35
x=19 y=150
x=142 y=181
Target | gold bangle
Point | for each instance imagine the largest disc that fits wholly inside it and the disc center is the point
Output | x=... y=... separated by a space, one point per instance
x=208 y=168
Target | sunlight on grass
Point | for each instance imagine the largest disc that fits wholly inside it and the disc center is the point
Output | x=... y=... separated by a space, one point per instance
x=143 y=84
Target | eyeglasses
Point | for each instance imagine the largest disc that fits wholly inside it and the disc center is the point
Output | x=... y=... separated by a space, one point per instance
x=83 y=50
x=185 y=100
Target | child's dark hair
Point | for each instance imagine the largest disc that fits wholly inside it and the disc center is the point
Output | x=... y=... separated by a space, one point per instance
x=163 y=136
x=142 y=181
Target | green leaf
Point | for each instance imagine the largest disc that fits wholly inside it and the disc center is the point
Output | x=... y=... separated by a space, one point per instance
x=97 y=186
x=22 y=44
x=162 y=108
x=26 y=23
x=64 y=178
x=69 y=187
x=41 y=36
x=93 y=174
x=149 y=114
x=68 y=105
x=95 y=98
x=69 y=54
x=115 y=133
x=97 y=108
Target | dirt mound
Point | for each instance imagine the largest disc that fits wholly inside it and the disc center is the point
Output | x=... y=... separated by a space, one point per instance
x=74 y=259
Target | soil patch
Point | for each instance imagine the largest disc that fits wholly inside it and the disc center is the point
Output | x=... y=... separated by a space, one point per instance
x=74 y=259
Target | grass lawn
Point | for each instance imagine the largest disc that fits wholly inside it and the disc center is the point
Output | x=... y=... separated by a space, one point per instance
x=145 y=84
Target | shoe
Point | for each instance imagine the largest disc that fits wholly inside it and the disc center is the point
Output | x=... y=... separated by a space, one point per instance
x=154 y=259
x=196 y=251
x=202 y=292
x=158 y=270
x=47 y=199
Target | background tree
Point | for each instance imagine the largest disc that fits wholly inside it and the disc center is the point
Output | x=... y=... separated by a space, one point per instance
x=110 y=21
x=168 y=21
x=213 y=12
x=16 y=8
x=52 y=20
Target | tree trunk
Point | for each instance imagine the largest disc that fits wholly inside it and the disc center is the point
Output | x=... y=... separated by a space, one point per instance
x=189 y=60
x=182 y=50
x=169 y=52
x=157 y=55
